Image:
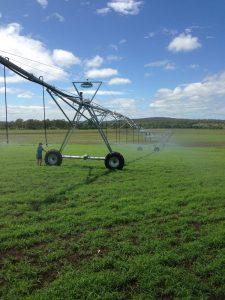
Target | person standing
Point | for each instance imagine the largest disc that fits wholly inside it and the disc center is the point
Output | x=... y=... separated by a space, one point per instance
x=40 y=149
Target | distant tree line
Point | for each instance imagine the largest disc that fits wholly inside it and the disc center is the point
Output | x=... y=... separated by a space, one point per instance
x=34 y=124
x=181 y=123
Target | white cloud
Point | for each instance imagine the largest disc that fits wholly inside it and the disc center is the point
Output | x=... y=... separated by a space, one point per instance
x=9 y=90
x=162 y=31
x=119 y=80
x=165 y=64
x=43 y=3
x=192 y=28
x=65 y=58
x=168 y=31
x=123 y=7
x=13 y=41
x=0 y=15
x=55 y=16
x=200 y=99
x=103 y=11
x=30 y=112
x=25 y=95
x=150 y=35
x=126 y=106
x=156 y=64
x=170 y=66
x=20 y=93
x=101 y=73
x=194 y=66
x=114 y=47
x=84 y=2
x=12 y=79
x=148 y=74
x=111 y=58
x=123 y=41
x=184 y=43
x=34 y=111
x=94 y=62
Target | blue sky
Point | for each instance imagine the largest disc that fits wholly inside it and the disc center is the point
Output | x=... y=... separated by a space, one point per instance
x=155 y=57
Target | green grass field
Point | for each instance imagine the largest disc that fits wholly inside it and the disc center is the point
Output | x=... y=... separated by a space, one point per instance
x=155 y=230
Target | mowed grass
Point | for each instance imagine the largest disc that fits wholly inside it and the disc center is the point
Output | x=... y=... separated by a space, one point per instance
x=155 y=230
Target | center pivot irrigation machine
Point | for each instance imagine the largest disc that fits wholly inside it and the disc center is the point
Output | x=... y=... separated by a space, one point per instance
x=82 y=109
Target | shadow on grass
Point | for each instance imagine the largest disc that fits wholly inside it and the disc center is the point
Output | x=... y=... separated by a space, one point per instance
x=140 y=158
x=60 y=196
x=92 y=178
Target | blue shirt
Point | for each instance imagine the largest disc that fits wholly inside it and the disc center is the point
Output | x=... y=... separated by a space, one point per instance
x=39 y=150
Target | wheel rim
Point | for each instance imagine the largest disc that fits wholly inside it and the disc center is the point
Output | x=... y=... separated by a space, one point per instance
x=52 y=159
x=114 y=162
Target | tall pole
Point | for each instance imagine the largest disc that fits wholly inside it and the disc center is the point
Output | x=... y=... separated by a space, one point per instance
x=44 y=111
x=106 y=129
x=119 y=131
x=6 y=109
x=116 y=132
x=126 y=134
x=138 y=133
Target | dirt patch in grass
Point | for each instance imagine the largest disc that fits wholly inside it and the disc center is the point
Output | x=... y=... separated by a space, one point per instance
x=135 y=240
x=130 y=288
x=197 y=225
x=39 y=245
x=14 y=254
x=17 y=255
x=77 y=258
x=47 y=276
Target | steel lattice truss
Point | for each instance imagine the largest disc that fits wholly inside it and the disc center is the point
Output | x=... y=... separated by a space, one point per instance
x=83 y=109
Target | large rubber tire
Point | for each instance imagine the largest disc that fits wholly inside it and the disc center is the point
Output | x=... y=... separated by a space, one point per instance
x=139 y=148
x=53 y=158
x=156 y=149
x=114 y=161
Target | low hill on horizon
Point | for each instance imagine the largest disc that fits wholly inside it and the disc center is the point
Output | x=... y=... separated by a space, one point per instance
x=151 y=122
x=166 y=122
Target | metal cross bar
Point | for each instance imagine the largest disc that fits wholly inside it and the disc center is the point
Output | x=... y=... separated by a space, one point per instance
x=6 y=108
x=70 y=130
x=92 y=113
